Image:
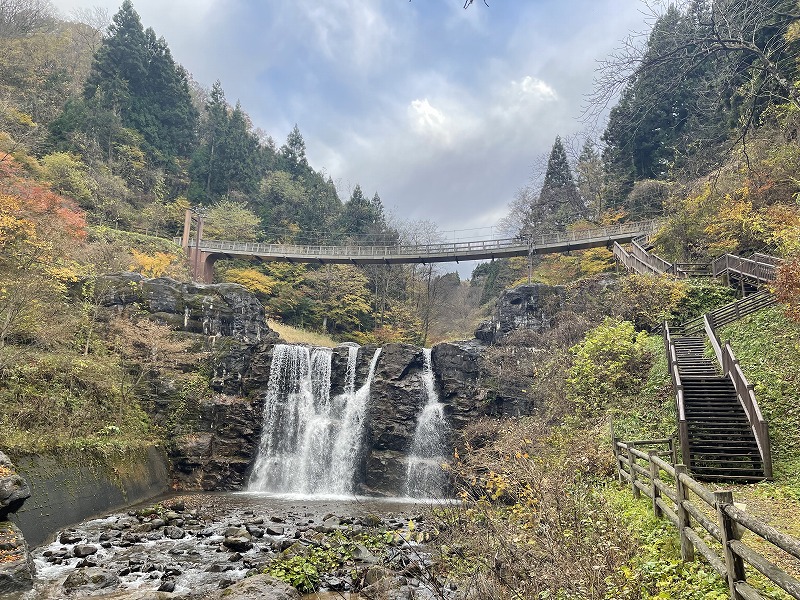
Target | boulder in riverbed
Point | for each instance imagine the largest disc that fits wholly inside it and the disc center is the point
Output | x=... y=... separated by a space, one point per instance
x=259 y=587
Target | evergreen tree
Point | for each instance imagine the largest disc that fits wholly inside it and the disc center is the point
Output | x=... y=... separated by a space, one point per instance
x=119 y=68
x=293 y=153
x=134 y=76
x=361 y=216
x=239 y=155
x=559 y=202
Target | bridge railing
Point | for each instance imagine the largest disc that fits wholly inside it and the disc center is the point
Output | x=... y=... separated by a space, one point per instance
x=447 y=248
x=761 y=267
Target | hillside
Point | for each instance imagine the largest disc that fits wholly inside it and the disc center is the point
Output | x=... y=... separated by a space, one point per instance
x=106 y=142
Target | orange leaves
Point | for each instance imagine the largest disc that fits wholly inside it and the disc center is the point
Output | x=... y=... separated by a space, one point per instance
x=36 y=203
x=787 y=287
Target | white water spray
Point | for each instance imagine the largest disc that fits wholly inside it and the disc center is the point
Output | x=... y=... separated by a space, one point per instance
x=311 y=444
x=425 y=477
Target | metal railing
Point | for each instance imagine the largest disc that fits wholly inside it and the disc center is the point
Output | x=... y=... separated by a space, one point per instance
x=451 y=249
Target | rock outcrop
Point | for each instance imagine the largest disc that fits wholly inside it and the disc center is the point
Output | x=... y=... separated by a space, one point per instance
x=14 y=489
x=396 y=397
x=529 y=306
x=16 y=565
x=222 y=309
x=217 y=455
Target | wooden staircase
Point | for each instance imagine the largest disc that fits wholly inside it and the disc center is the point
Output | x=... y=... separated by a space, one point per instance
x=720 y=440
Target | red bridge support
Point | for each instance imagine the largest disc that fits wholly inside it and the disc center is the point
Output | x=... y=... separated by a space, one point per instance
x=201 y=264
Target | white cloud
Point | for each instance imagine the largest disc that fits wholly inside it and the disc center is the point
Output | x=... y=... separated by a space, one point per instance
x=429 y=122
x=348 y=32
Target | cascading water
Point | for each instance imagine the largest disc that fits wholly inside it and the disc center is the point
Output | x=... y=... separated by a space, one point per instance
x=425 y=477
x=310 y=443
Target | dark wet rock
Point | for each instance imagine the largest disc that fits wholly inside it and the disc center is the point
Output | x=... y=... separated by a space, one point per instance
x=259 y=587
x=256 y=532
x=167 y=586
x=90 y=580
x=16 y=565
x=174 y=533
x=530 y=307
x=14 y=490
x=70 y=537
x=237 y=539
x=84 y=550
x=108 y=535
x=276 y=530
x=217 y=455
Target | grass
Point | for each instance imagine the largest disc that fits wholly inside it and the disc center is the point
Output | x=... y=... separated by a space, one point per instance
x=295 y=335
x=767 y=345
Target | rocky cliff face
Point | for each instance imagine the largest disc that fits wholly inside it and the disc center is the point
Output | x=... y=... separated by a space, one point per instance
x=218 y=443
x=214 y=439
x=525 y=307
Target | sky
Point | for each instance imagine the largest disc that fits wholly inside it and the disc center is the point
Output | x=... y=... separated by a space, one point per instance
x=442 y=111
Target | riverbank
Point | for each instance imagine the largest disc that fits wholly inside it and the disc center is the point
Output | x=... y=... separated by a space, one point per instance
x=198 y=545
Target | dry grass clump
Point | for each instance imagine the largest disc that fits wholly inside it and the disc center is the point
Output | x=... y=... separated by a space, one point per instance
x=533 y=522
x=294 y=335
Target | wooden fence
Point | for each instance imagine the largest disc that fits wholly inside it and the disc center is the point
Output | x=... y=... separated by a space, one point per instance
x=708 y=521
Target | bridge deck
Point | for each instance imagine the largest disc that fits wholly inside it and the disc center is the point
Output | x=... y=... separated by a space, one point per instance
x=428 y=253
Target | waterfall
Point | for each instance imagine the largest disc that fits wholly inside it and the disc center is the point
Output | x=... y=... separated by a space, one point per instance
x=425 y=477
x=310 y=443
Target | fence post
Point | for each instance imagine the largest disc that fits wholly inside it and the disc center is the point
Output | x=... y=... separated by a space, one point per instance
x=634 y=489
x=682 y=495
x=654 y=477
x=729 y=532
x=617 y=460
x=673 y=450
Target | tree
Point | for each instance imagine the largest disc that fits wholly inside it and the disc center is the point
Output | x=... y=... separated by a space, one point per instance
x=293 y=153
x=589 y=179
x=231 y=220
x=558 y=202
x=134 y=77
x=19 y=18
x=361 y=216
x=709 y=67
x=341 y=297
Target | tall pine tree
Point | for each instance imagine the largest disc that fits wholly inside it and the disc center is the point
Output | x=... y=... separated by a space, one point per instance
x=559 y=203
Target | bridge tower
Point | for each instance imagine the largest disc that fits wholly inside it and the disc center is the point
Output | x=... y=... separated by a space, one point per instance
x=201 y=264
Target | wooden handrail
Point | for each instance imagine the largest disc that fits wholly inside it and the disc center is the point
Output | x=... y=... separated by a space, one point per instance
x=744 y=392
x=760 y=267
x=670 y=500
x=680 y=407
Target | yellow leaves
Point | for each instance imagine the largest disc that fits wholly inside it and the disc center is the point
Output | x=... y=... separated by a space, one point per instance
x=151 y=266
x=252 y=279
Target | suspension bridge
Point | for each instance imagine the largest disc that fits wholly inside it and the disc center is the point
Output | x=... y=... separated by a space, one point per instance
x=203 y=253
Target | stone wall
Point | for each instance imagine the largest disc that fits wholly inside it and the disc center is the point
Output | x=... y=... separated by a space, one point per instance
x=68 y=490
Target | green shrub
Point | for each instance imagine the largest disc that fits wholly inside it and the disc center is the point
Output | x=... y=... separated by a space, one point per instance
x=610 y=363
